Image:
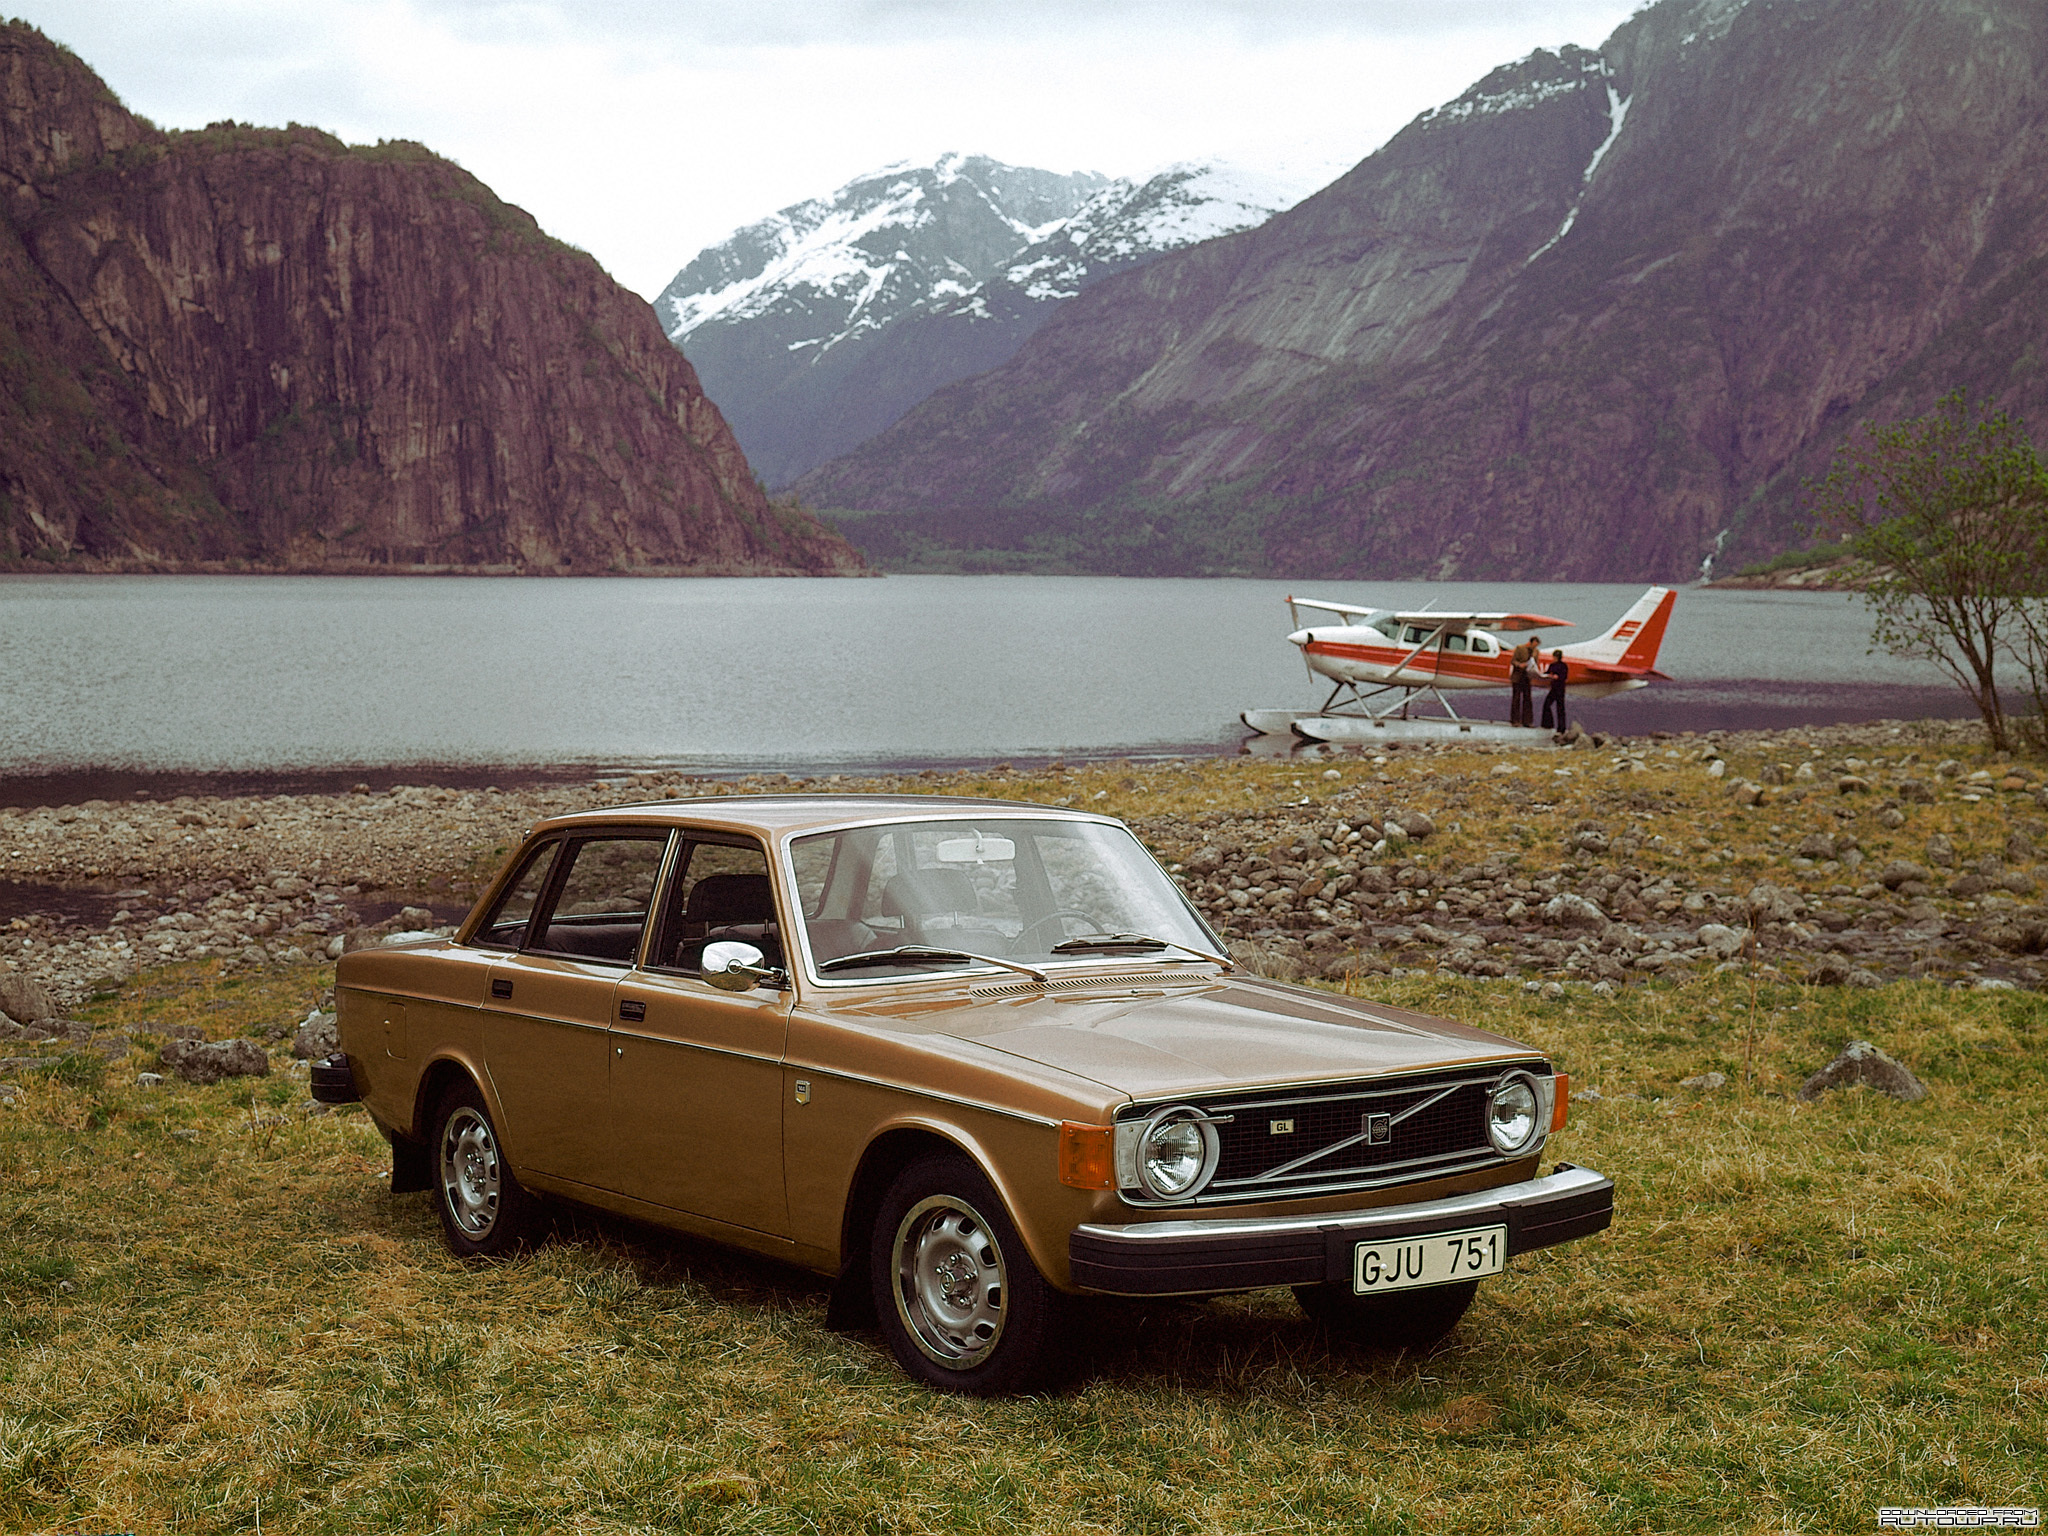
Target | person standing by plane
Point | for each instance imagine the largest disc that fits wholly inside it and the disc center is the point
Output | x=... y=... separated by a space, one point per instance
x=1521 y=701
x=1557 y=671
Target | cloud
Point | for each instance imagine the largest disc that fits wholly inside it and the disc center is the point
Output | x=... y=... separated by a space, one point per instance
x=644 y=130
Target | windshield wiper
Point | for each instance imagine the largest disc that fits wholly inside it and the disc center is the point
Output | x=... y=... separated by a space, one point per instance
x=905 y=954
x=1134 y=943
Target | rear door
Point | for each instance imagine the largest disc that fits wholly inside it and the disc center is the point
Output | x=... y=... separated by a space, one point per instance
x=548 y=1020
x=696 y=1087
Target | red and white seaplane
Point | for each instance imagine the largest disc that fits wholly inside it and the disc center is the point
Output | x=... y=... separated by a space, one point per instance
x=1383 y=663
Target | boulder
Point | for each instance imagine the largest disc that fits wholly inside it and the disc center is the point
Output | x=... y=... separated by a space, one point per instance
x=25 y=998
x=1941 y=853
x=1768 y=903
x=1706 y=1082
x=317 y=1036
x=1901 y=872
x=1863 y=1063
x=200 y=1062
x=1723 y=941
x=1418 y=826
x=1572 y=911
x=1833 y=972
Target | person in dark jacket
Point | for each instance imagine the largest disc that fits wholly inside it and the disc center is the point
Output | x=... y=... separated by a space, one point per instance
x=1521 y=705
x=1556 y=672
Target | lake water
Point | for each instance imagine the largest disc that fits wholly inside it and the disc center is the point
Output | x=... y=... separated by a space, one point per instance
x=267 y=676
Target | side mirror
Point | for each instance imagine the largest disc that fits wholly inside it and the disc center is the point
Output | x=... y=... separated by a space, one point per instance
x=732 y=966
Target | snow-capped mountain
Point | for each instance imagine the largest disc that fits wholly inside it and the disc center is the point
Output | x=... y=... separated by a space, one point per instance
x=817 y=327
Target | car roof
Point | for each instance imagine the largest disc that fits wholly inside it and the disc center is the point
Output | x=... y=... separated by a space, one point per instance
x=779 y=814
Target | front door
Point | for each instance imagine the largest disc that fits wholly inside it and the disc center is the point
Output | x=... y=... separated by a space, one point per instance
x=547 y=1022
x=696 y=1087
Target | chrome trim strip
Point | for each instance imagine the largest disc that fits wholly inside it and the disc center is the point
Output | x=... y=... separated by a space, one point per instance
x=1481 y=1070
x=1451 y=1208
x=1441 y=1166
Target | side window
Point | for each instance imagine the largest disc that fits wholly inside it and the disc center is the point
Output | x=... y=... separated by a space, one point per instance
x=602 y=899
x=506 y=925
x=721 y=891
x=1454 y=642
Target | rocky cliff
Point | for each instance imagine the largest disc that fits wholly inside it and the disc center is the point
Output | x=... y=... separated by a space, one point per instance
x=263 y=349
x=1597 y=318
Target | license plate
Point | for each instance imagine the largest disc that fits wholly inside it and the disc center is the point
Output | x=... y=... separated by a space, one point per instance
x=1440 y=1258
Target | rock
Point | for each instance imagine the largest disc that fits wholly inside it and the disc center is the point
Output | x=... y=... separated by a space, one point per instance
x=1716 y=768
x=1706 y=1082
x=1591 y=839
x=1803 y=773
x=1947 y=768
x=25 y=998
x=1941 y=853
x=1573 y=911
x=1863 y=1063
x=1768 y=903
x=1418 y=826
x=318 y=1036
x=2019 y=848
x=149 y=1079
x=1747 y=793
x=1902 y=872
x=1965 y=886
x=1891 y=818
x=1723 y=941
x=1852 y=784
x=198 y=1062
x=1396 y=835
x=1832 y=972
x=1817 y=845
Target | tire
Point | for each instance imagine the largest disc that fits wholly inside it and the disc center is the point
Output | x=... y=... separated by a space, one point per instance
x=963 y=1307
x=485 y=1211
x=1411 y=1320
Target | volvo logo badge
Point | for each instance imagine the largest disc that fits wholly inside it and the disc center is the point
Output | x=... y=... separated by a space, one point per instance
x=1379 y=1130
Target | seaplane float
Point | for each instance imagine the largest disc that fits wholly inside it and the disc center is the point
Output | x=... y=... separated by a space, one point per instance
x=1385 y=665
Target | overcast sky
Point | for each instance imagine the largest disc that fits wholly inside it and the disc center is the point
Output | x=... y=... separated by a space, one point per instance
x=644 y=130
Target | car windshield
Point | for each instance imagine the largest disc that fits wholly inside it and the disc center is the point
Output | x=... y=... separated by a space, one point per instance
x=1021 y=889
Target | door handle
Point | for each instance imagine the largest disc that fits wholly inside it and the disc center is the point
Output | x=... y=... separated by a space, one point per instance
x=501 y=988
x=633 y=1012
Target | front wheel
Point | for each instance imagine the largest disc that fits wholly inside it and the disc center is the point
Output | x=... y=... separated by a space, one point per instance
x=963 y=1307
x=1413 y=1320
x=485 y=1211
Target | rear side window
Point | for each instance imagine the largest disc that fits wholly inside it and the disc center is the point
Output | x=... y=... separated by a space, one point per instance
x=597 y=904
x=506 y=926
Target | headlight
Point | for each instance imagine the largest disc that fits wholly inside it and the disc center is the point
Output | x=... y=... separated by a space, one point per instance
x=1170 y=1155
x=1512 y=1121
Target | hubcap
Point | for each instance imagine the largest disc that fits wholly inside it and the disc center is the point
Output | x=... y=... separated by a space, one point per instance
x=470 y=1181
x=949 y=1281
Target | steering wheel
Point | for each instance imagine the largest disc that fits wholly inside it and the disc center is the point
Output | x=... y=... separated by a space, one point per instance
x=1058 y=915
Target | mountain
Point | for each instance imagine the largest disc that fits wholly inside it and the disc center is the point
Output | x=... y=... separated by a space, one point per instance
x=817 y=327
x=1596 y=319
x=263 y=349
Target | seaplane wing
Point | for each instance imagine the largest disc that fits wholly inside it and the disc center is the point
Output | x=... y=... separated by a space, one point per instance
x=1458 y=623
x=1342 y=610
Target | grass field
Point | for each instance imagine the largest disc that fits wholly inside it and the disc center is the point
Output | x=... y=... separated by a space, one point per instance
x=213 y=1313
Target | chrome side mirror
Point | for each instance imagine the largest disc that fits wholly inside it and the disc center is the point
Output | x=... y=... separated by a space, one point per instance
x=732 y=966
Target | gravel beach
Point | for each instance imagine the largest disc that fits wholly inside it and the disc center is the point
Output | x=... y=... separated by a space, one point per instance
x=1840 y=855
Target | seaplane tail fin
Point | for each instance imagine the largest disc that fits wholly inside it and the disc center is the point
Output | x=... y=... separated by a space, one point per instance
x=1632 y=644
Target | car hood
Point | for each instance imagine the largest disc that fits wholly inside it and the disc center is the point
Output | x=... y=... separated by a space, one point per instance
x=1146 y=1040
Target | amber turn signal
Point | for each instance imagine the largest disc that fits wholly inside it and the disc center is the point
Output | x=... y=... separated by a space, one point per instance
x=1561 y=1100
x=1085 y=1156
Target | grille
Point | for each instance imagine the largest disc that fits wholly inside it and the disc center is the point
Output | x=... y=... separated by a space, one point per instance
x=1432 y=1127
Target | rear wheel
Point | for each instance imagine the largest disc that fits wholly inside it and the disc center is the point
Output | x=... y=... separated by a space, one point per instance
x=485 y=1211
x=963 y=1307
x=1405 y=1320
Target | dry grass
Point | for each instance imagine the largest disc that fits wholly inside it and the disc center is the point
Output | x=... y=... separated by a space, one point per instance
x=1803 y=1312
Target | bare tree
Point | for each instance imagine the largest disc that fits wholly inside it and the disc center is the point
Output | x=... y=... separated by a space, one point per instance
x=1950 y=513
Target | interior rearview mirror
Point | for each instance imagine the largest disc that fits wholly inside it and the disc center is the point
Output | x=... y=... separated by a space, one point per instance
x=976 y=850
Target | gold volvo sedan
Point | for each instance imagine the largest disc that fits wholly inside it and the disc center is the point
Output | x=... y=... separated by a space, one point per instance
x=973 y=1059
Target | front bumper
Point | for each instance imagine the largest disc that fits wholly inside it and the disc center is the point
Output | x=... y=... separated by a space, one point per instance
x=1164 y=1258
